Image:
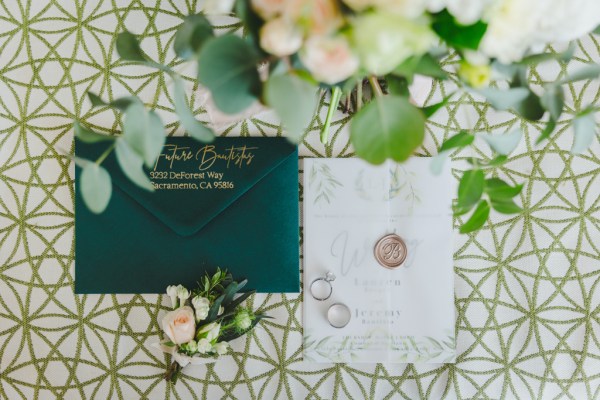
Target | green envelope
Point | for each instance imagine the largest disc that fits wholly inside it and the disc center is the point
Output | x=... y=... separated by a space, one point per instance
x=231 y=204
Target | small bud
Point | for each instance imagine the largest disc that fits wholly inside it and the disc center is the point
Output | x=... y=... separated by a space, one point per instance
x=172 y=293
x=183 y=294
x=221 y=348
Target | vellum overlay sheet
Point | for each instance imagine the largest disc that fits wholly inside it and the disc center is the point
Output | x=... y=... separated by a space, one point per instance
x=398 y=315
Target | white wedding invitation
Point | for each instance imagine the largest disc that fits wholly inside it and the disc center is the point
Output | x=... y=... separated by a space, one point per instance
x=398 y=315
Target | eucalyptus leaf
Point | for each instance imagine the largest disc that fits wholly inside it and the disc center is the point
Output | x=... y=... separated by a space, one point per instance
x=96 y=187
x=553 y=100
x=588 y=72
x=387 y=127
x=89 y=136
x=425 y=65
x=194 y=128
x=191 y=35
x=470 y=188
x=397 y=85
x=496 y=188
x=597 y=30
x=460 y=140
x=432 y=109
x=531 y=107
x=585 y=131
x=294 y=100
x=227 y=66
x=477 y=219
x=505 y=206
x=547 y=132
x=504 y=99
x=144 y=131
x=504 y=144
x=120 y=104
x=129 y=48
x=132 y=165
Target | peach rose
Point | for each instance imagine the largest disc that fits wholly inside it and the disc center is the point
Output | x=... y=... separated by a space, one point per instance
x=180 y=325
x=280 y=37
x=329 y=59
x=268 y=9
x=318 y=16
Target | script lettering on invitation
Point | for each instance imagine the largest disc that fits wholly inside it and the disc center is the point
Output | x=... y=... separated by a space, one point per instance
x=166 y=174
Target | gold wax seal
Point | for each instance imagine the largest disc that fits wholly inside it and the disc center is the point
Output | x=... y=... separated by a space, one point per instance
x=390 y=251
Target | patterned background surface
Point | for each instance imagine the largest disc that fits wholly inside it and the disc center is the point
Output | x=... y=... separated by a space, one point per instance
x=527 y=286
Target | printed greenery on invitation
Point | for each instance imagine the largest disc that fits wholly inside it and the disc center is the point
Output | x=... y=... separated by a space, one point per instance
x=204 y=321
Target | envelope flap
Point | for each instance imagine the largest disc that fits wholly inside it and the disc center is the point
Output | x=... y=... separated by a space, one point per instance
x=195 y=182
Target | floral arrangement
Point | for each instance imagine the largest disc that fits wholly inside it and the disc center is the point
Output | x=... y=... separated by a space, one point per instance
x=361 y=56
x=204 y=321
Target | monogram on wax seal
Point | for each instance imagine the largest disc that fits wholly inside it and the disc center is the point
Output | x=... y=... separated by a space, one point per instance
x=390 y=251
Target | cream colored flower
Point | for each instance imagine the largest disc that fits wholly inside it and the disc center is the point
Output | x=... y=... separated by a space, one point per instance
x=221 y=348
x=179 y=325
x=202 y=307
x=172 y=293
x=268 y=9
x=383 y=41
x=317 y=17
x=329 y=59
x=243 y=320
x=204 y=346
x=209 y=332
x=183 y=294
x=280 y=37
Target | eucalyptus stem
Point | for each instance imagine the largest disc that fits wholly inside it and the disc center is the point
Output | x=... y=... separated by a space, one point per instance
x=359 y=95
x=375 y=85
x=109 y=150
x=336 y=95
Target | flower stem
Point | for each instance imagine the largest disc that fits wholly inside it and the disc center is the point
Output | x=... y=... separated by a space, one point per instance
x=106 y=153
x=359 y=95
x=336 y=95
x=173 y=372
x=375 y=85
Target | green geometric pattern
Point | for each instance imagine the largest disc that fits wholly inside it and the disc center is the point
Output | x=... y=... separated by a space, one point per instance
x=527 y=286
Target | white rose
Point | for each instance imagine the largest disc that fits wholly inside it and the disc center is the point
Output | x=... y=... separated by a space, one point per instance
x=406 y=8
x=268 y=9
x=218 y=7
x=202 y=307
x=221 y=348
x=516 y=26
x=179 y=325
x=329 y=59
x=565 y=20
x=204 y=346
x=468 y=12
x=383 y=41
x=210 y=331
x=280 y=37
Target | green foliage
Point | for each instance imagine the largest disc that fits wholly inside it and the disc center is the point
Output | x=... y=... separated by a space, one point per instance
x=477 y=219
x=553 y=100
x=227 y=66
x=460 y=140
x=457 y=35
x=131 y=164
x=191 y=35
x=585 y=131
x=144 y=132
x=89 y=136
x=96 y=187
x=426 y=65
x=504 y=144
x=295 y=101
x=388 y=127
x=129 y=48
x=503 y=100
x=193 y=127
x=470 y=188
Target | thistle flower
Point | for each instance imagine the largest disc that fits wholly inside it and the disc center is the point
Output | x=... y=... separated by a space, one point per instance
x=243 y=320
